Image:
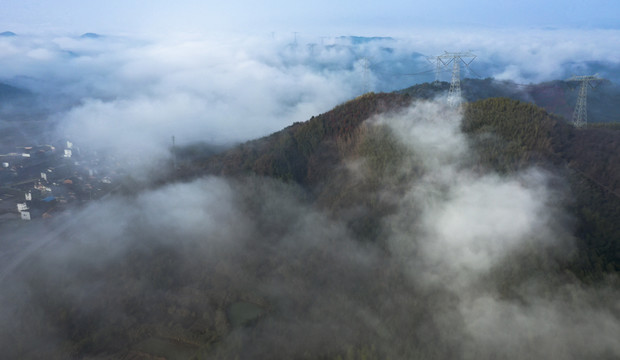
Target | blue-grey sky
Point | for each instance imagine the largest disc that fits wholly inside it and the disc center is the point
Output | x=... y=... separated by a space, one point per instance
x=326 y=17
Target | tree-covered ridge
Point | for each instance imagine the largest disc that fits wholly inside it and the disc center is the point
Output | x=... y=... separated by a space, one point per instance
x=301 y=151
x=301 y=246
x=514 y=134
x=319 y=153
x=510 y=135
x=507 y=136
x=595 y=153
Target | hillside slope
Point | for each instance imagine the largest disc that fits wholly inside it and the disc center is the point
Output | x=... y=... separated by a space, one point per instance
x=586 y=158
x=507 y=136
x=302 y=152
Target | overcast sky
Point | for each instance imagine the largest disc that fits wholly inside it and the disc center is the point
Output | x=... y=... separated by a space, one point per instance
x=319 y=17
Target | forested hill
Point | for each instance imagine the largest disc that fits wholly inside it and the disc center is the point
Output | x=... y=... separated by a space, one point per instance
x=387 y=228
x=532 y=133
x=303 y=152
x=587 y=158
x=508 y=136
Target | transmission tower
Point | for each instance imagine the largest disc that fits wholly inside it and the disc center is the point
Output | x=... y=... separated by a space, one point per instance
x=454 y=95
x=580 y=115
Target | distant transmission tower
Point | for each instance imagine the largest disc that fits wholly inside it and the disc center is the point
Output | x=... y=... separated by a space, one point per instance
x=454 y=95
x=580 y=115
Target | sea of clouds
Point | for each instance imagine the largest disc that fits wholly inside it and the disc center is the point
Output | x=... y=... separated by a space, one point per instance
x=131 y=94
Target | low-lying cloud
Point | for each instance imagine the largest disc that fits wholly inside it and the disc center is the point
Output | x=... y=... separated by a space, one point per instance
x=474 y=234
x=471 y=269
x=132 y=94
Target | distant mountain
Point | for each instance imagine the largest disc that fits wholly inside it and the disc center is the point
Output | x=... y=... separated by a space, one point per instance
x=8 y=34
x=10 y=92
x=90 y=36
x=557 y=97
x=21 y=118
x=356 y=40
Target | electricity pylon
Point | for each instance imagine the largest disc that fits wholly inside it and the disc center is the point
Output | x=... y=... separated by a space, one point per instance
x=580 y=115
x=454 y=95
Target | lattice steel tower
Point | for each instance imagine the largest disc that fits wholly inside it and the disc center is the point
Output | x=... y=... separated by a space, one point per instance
x=580 y=115
x=454 y=95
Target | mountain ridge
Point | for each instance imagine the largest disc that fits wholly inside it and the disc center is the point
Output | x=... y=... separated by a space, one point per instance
x=314 y=154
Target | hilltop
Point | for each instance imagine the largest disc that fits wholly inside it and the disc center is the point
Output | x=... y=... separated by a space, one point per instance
x=508 y=136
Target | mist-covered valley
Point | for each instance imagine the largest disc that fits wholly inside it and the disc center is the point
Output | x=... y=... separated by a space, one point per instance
x=392 y=226
x=462 y=262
